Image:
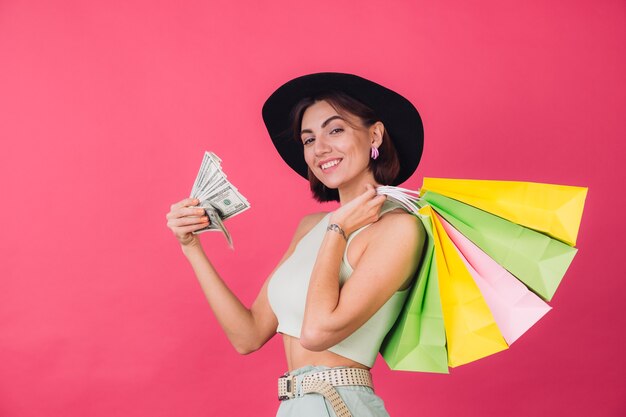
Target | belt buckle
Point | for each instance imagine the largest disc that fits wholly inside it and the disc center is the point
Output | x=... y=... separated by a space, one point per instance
x=287 y=385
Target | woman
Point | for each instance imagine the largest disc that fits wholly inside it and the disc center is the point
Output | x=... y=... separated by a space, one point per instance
x=347 y=135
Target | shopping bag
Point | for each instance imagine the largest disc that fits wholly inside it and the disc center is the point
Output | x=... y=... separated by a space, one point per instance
x=537 y=260
x=480 y=263
x=417 y=341
x=549 y=208
x=514 y=307
x=471 y=330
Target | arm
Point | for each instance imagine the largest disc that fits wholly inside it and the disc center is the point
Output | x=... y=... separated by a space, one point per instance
x=246 y=329
x=390 y=256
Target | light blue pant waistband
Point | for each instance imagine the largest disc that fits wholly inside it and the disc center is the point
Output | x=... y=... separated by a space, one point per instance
x=360 y=400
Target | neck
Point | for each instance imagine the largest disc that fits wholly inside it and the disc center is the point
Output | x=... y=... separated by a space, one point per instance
x=356 y=187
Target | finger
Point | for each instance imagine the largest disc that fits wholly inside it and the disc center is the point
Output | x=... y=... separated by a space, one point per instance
x=377 y=201
x=185 y=212
x=186 y=202
x=191 y=211
x=187 y=221
x=369 y=189
x=188 y=229
x=368 y=194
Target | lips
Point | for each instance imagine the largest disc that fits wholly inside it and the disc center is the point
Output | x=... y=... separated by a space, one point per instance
x=329 y=164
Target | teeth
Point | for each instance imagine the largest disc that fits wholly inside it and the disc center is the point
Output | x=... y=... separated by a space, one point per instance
x=330 y=164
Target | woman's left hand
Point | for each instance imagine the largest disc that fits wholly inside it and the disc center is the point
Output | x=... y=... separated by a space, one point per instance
x=363 y=210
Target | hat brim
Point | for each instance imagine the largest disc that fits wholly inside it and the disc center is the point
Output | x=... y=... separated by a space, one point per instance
x=401 y=119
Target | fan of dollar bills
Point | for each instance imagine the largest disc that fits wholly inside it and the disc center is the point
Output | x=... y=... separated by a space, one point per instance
x=218 y=197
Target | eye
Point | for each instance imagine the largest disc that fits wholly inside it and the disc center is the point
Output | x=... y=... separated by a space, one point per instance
x=336 y=130
x=308 y=141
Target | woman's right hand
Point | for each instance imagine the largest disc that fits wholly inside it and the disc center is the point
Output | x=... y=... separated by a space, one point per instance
x=362 y=210
x=184 y=218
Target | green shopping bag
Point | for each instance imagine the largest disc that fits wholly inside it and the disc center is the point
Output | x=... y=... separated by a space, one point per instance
x=537 y=260
x=417 y=342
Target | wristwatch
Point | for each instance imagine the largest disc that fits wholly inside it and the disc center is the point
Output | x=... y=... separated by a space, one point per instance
x=336 y=228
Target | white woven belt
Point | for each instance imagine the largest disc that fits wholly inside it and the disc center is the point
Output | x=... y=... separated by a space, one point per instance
x=324 y=382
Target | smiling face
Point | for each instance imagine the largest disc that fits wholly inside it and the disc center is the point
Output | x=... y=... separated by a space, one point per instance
x=336 y=146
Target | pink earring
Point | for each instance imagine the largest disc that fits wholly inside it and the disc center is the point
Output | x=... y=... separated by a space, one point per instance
x=374 y=153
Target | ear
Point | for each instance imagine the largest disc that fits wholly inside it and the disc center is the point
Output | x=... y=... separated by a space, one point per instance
x=377 y=131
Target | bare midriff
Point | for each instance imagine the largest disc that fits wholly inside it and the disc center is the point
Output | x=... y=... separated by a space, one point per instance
x=298 y=356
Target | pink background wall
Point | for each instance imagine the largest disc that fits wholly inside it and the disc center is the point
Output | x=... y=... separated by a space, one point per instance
x=105 y=111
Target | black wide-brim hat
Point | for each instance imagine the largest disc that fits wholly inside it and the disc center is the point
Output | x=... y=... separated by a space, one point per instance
x=400 y=117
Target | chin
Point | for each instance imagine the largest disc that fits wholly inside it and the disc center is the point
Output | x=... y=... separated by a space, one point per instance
x=330 y=184
x=323 y=179
x=335 y=182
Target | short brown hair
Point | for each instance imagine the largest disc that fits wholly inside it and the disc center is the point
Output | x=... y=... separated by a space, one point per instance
x=385 y=168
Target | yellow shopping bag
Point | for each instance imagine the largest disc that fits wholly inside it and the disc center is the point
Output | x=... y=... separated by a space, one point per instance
x=471 y=330
x=549 y=208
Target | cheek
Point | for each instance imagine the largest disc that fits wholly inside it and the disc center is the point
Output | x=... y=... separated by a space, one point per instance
x=308 y=156
x=361 y=150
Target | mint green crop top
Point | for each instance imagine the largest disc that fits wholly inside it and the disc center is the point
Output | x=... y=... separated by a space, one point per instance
x=288 y=288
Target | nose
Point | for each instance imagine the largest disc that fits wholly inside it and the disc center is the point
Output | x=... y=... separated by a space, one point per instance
x=321 y=146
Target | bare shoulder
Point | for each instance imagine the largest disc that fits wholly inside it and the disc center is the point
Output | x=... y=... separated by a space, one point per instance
x=307 y=223
x=398 y=225
x=392 y=243
x=310 y=220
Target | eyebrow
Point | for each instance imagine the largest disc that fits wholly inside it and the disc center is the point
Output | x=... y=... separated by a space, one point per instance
x=331 y=118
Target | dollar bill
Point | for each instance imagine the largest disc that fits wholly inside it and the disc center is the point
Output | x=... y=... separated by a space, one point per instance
x=209 y=169
x=215 y=224
x=205 y=169
x=218 y=197
x=228 y=201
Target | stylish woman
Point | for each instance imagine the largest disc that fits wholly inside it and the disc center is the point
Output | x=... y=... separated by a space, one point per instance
x=345 y=276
